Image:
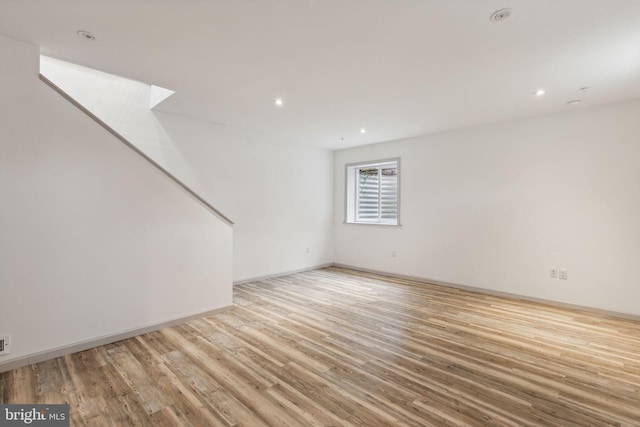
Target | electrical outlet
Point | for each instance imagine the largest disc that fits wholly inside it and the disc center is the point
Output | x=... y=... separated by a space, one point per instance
x=553 y=273
x=307 y=250
x=563 y=274
x=394 y=254
x=5 y=344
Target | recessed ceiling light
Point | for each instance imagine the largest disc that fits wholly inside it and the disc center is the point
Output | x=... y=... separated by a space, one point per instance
x=278 y=102
x=363 y=130
x=86 y=35
x=574 y=102
x=500 y=15
x=539 y=92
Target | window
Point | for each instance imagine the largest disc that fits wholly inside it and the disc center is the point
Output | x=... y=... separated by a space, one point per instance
x=372 y=193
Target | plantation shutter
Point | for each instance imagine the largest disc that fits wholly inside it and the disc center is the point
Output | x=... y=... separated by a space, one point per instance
x=388 y=194
x=368 y=194
x=377 y=194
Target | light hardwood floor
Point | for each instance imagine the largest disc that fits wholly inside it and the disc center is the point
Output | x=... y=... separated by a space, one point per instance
x=335 y=347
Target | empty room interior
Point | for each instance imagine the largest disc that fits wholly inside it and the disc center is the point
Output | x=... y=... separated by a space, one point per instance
x=320 y=212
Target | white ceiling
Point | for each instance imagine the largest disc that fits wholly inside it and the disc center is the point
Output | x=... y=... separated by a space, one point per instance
x=398 y=68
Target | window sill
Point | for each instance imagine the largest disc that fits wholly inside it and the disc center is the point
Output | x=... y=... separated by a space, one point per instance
x=380 y=224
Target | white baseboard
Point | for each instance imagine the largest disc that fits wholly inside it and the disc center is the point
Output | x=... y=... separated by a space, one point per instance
x=286 y=273
x=493 y=293
x=42 y=356
x=85 y=345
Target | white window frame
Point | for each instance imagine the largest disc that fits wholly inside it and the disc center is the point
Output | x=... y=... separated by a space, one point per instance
x=352 y=191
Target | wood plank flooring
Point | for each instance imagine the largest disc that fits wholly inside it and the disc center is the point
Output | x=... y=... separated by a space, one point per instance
x=335 y=347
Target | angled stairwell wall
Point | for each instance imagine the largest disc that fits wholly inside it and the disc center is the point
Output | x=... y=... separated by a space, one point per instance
x=279 y=195
x=96 y=243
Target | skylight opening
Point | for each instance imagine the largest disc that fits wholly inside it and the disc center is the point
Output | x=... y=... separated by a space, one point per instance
x=84 y=79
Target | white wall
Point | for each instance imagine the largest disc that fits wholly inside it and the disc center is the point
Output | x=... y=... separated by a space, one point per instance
x=94 y=240
x=279 y=196
x=496 y=207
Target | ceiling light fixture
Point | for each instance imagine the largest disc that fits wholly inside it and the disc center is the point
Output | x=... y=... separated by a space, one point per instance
x=539 y=92
x=363 y=130
x=278 y=102
x=501 y=15
x=574 y=102
x=86 y=35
